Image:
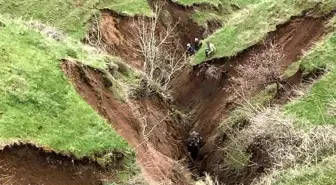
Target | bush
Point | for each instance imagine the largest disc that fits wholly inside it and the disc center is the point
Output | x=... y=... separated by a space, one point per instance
x=262 y=69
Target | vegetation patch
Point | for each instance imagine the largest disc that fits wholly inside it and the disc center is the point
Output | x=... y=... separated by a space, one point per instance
x=216 y=3
x=283 y=147
x=321 y=173
x=38 y=104
x=71 y=15
x=218 y=10
x=197 y=2
x=250 y=25
x=314 y=108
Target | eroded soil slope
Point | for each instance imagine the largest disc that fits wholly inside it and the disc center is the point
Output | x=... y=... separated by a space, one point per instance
x=294 y=37
x=26 y=164
x=153 y=126
x=119 y=36
x=146 y=124
x=149 y=124
x=211 y=99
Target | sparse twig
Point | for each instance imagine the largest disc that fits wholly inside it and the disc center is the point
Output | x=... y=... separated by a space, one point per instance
x=94 y=36
x=162 y=60
x=262 y=69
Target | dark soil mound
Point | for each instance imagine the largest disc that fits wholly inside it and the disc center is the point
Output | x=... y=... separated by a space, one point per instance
x=27 y=164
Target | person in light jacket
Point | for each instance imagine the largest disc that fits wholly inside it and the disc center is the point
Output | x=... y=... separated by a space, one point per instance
x=210 y=49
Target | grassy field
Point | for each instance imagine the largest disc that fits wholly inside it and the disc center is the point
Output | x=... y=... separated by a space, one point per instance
x=319 y=105
x=216 y=3
x=38 y=103
x=195 y=2
x=71 y=15
x=322 y=173
x=220 y=13
x=250 y=25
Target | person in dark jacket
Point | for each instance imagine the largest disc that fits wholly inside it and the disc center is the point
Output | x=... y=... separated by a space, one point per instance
x=190 y=50
x=197 y=44
x=194 y=143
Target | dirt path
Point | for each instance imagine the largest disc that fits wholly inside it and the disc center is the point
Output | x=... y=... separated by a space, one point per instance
x=27 y=164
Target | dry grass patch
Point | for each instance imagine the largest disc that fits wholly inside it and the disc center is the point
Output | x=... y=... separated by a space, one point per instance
x=262 y=69
x=275 y=141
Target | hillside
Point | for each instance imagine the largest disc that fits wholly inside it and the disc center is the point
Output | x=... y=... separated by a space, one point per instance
x=103 y=92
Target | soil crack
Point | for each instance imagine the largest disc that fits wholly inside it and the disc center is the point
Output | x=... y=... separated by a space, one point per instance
x=159 y=136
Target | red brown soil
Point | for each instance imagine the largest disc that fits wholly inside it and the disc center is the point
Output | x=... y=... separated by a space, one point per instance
x=149 y=124
x=159 y=142
x=26 y=164
x=156 y=153
x=119 y=34
x=118 y=38
x=213 y=99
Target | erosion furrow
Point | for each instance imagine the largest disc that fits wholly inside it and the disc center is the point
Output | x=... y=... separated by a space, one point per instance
x=294 y=37
x=27 y=164
x=210 y=98
x=149 y=123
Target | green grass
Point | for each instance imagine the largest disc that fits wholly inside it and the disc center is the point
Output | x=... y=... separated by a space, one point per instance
x=317 y=106
x=216 y=2
x=319 y=174
x=195 y=2
x=37 y=102
x=250 y=25
x=221 y=12
x=202 y=16
x=71 y=15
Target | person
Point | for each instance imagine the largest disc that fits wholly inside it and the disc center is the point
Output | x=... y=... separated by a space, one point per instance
x=194 y=142
x=197 y=44
x=210 y=49
x=190 y=50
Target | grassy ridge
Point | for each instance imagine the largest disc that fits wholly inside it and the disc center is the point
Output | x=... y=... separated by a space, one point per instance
x=216 y=2
x=70 y=15
x=250 y=25
x=194 y=2
x=319 y=106
x=37 y=102
x=223 y=8
x=316 y=109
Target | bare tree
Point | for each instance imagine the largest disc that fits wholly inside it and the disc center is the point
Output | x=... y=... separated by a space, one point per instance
x=160 y=50
x=94 y=35
x=262 y=68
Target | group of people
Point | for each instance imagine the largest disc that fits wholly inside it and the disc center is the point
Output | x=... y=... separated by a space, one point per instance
x=193 y=49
